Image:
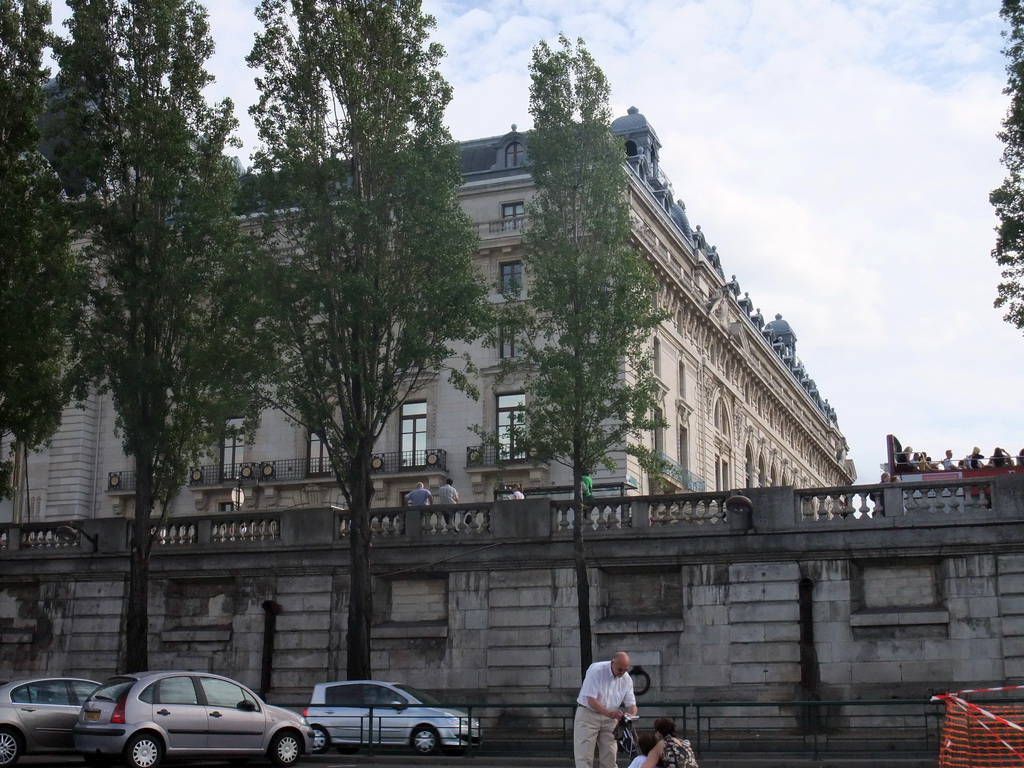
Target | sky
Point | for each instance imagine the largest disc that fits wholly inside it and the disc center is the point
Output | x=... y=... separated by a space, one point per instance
x=838 y=153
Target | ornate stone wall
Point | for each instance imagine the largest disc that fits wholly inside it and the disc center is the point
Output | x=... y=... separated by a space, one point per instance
x=840 y=593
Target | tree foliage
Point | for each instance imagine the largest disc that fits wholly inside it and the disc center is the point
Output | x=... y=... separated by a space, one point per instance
x=167 y=333
x=369 y=256
x=591 y=389
x=39 y=280
x=1008 y=199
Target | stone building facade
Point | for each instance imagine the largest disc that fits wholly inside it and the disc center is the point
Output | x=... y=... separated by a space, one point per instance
x=741 y=408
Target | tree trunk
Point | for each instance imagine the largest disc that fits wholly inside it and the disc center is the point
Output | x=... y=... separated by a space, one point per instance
x=582 y=577
x=582 y=597
x=360 y=604
x=135 y=655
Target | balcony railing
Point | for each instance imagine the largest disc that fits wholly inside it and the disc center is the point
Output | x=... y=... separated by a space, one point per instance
x=223 y=474
x=499 y=227
x=493 y=455
x=410 y=461
x=682 y=475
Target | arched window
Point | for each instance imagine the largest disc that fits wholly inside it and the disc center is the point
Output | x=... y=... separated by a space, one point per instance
x=514 y=155
x=721 y=418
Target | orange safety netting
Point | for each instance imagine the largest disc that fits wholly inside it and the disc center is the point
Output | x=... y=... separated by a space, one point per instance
x=981 y=736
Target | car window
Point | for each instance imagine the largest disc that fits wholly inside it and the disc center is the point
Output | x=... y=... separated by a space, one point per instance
x=80 y=690
x=343 y=696
x=53 y=692
x=379 y=696
x=114 y=689
x=21 y=695
x=221 y=693
x=422 y=696
x=176 y=690
x=41 y=692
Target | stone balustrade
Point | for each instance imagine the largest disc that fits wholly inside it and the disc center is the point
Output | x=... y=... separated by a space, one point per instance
x=773 y=509
x=853 y=592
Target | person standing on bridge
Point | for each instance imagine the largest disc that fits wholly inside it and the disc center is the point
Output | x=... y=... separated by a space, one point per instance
x=418 y=496
x=447 y=493
x=604 y=699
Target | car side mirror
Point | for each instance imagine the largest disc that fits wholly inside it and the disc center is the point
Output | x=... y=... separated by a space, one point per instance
x=246 y=706
x=397 y=704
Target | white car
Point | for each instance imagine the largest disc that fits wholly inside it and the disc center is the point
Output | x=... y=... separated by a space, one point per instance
x=353 y=713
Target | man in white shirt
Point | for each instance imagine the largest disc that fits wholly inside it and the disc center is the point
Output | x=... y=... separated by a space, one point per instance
x=448 y=493
x=947 y=463
x=604 y=699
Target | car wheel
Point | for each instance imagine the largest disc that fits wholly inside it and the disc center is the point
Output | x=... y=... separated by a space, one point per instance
x=10 y=746
x=321 y=739
x=424 y=740
x=284 y=749
x=143 y=750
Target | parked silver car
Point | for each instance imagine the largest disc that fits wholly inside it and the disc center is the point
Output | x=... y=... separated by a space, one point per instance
x=144 y=717
x=37 y=715
x=348 y=714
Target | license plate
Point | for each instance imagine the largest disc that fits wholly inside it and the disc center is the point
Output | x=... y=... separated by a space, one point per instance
x=92 y=715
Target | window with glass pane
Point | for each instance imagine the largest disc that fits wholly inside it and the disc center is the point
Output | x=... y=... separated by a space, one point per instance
x=319 y=462
x=659 y=433
x=512 y=215
x=513 y=155
x=507 y=346
x=233 y=450
x=511 y=277
x=414 y=434
x=511 y=417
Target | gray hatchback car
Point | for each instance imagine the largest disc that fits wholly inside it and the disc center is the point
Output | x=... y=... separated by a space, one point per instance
x=349 y=714
x=37 y=715
x=144 y=717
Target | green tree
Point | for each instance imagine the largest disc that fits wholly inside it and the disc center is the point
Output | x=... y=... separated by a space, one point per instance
x=591 y=389
x=166 y=334
x=377 y=282
x=1008 y=199
x=39 y=280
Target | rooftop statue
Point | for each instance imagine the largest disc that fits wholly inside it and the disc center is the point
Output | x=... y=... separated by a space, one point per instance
x=758 y=319
x=699 y=240
x=734 y=286
x=746 y=304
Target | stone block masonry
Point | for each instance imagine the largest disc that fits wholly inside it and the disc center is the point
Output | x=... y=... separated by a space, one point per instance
x=837 y=607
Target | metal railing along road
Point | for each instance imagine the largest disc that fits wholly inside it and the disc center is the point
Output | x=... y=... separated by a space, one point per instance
x=811 y=729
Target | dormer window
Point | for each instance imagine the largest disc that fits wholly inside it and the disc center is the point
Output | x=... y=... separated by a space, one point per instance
x=514 y=155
